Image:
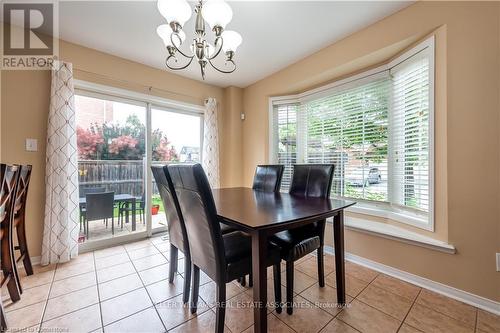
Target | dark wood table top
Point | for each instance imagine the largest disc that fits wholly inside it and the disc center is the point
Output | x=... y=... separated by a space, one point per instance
x=252 y=209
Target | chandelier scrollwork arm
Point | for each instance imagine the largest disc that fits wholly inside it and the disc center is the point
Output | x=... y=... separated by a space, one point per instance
x=177 y=68
x=221 y=70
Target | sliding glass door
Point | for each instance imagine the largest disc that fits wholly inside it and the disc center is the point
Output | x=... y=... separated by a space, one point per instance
x=118 y=139
x=175 y=138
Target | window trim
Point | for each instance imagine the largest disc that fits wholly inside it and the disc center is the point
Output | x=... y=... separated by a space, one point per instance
x=366 y=207
x=149 y=102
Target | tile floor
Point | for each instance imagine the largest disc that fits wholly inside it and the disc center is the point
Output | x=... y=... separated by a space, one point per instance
x=125 y=289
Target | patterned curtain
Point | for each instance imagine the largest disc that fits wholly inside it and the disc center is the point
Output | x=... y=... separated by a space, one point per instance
x=211 y=143
x=61 y=225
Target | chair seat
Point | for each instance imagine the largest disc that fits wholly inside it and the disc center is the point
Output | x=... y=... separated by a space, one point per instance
x=296 y=243
x=225 y=229
x=238 y=250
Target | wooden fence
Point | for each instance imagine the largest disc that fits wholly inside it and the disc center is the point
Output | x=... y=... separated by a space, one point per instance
x=120 y=176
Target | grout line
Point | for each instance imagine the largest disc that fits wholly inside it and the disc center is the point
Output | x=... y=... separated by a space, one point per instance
x=409 y=310
x=47 y=300
x=98 y=293
x=272 y=314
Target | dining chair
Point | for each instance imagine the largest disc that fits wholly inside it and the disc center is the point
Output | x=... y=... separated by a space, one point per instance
x=176 y=228
x=9 y=177
x=267 y=178
x=19 y=218
x=100 y=206
x=308 y=181
x=223 y=258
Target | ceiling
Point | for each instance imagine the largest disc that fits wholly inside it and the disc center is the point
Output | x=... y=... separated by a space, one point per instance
x=275 y=33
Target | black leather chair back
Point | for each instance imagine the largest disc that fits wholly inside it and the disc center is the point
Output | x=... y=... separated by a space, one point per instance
x=99 y=205
x=200 y=217
x=267 y=178
x=175 y=222
x=312 y=180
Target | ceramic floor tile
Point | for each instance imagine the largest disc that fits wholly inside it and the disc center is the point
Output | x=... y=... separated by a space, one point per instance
x=306 y=317
x=274 y=325
x=143 y=321
x=488 y=322
x=238 y=313
x=337 y=326
x=208 y=290
x=386 y=301
x=154 y=274
x=114 y=272
x=84 y=320
x=163 y=290
x=138 y=245
x=173 y=312
x=112 y=260
x=28 y=297
x=450 y=307
x=396 y=286
x=64 y=304
x=163 y=247
x=427 y=320
x=310 y=266
x=143 y=252
x=360 y=272
x=368 y=319
x=109 y=251
x=405 y=328
x=149 y=262
x=200 y=324
x=124 y=305
x=119 y=286
x=71 y=284
x=325 y=298
x=37 y=279
x=301 y=281
x=64 y=271
x=25 y=317
x=353 y=286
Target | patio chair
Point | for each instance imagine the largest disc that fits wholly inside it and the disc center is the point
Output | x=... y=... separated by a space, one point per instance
x=83 y=192
x=126 y=208
x=99 y=206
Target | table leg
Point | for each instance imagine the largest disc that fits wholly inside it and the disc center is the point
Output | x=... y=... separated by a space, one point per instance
x=133 y=214
x=259 y=270
x=338 y=238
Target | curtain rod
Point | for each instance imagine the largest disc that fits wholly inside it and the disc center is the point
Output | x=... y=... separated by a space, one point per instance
x=149 y=88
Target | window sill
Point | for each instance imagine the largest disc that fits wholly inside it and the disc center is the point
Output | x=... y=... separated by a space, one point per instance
x=377 y=211
x=396 y=233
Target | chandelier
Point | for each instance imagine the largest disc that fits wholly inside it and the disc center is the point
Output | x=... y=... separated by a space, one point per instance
x=217 y=14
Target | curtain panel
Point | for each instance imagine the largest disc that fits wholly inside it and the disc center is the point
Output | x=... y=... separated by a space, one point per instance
x=211 y=143
x=61 y=222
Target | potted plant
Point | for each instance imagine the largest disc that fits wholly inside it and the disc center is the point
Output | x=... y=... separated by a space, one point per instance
x=155 y=209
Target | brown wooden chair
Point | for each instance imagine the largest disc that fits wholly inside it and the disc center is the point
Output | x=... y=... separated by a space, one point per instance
x=3 y=319
x=19 y=219
x=9 y=178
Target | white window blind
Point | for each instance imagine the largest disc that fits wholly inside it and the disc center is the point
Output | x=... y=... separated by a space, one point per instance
x=410 y=132
x=377 y=130
x=349 y=129
x=286 y=129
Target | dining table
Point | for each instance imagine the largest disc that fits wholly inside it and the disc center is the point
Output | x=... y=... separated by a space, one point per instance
x=262 y=214
x=119 y=198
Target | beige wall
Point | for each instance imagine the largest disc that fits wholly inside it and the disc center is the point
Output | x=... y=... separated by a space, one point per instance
x=467 y=133
x=25 y=105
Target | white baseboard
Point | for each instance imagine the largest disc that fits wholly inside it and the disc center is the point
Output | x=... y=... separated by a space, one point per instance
x=460 y=295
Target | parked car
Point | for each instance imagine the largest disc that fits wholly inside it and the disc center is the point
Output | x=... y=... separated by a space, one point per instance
x=355 y=177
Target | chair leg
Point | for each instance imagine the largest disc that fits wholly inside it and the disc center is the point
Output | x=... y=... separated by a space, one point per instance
x=173 y=263
x=195 y=288
x=321 y=267
x=3 y=319
x=243 y=280
x=23 y=248
x=289 y=287
x=277 y=287
x=187 y=278
x=250 y=279
x=112 y=225
x=220 y=310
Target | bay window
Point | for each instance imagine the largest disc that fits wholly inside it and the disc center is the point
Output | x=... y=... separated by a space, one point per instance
x=376 y=127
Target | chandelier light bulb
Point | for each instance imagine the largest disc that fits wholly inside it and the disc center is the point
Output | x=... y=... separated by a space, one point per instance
x=217 y=13
x=175 y=10
x=231 y=41
x=165 y=31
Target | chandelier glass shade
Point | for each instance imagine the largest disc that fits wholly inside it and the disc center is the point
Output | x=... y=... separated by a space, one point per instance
x=218 y=14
